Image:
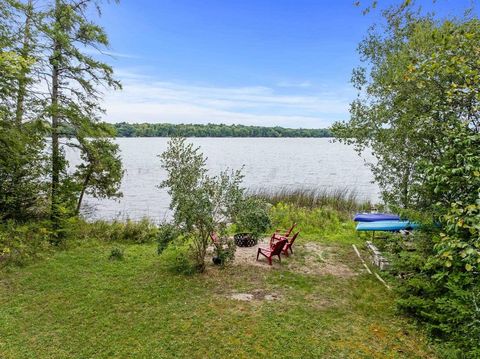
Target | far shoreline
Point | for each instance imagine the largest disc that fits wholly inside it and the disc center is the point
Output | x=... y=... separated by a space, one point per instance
x=222 y=137
x=124 y=129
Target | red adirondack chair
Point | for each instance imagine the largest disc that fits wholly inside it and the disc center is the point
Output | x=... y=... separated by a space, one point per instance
x=289 y=244
x=276 y=250
x=277 y=235
x=217 y=242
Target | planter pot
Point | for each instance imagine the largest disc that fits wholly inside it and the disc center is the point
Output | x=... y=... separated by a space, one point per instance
x=244 y=240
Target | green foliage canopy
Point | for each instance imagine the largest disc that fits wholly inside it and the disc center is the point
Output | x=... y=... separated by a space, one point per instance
x=422 y=81
x=418 y=110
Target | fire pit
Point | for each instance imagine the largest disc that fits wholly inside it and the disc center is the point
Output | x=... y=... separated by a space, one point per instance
x=244 y=240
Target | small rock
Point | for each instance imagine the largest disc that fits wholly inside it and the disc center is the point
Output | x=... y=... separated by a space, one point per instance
x=246 y=297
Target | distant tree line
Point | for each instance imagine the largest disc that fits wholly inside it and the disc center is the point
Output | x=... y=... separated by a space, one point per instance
x=124 y=129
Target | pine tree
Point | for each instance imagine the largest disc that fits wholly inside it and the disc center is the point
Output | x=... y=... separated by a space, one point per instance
x=75 y=83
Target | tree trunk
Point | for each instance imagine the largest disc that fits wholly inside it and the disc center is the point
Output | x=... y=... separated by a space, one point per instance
x=22 y=82
x=56 y=165
x=55 y=146
x=82 y=193
x=405 y=187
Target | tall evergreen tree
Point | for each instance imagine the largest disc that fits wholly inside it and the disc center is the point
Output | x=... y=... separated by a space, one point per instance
x=75 y=82
x=47 y=77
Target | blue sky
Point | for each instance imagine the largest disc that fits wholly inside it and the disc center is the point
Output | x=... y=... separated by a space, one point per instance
x=254 y=62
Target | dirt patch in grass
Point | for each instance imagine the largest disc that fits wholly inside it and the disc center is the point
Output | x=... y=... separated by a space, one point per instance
x=321 y=260
x=308 y=258
x=256 y=295
x=248 y=256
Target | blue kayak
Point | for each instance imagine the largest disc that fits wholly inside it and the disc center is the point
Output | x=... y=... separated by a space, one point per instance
x=393 y=226
x=375 y=217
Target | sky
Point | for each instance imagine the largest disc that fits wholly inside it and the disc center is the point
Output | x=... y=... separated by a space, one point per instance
x=253 y=62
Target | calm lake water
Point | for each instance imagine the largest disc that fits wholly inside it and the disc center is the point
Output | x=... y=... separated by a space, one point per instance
x=268 y=163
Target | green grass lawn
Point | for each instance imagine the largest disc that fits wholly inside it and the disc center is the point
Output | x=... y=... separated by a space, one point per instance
x=79 y=304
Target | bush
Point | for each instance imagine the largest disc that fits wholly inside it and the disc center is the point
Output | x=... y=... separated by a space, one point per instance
x=116 y=254
x=20 y=244
x=167 y=233
x=225 y=251
x=449 y=308
x=143 y=231
x=448 y=305
x=442 y=286
x=23 y=191
x=253 y=217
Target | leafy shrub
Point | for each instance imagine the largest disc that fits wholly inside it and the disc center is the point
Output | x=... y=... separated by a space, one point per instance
x=167 y=233
x=20 y=244
x=253 y=217
x=143 y=231
x=225 y=251
x=448 y=305
x=116 y=254
x=443 y=284
x=23 y=192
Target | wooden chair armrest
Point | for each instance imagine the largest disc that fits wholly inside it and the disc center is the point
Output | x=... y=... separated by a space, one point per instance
x=264 y=249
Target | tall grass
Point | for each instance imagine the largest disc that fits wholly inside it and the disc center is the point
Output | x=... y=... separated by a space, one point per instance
x=342 y=200
x=143 y=231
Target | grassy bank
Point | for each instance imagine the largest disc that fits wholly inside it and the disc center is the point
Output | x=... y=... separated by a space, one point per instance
x=78 y=303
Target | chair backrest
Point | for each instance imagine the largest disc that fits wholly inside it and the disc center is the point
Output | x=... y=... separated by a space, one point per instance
x=277 y=247
x=214 y=238
x=290 y=230
x=294 y=237
x=273 y=239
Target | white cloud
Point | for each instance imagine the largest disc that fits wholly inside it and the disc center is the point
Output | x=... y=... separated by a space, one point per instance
x=300 y=84
x=144 y=99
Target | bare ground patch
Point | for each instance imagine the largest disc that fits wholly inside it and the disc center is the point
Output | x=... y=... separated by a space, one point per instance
x=255 y=295
x=320 y=259
x=308 y=258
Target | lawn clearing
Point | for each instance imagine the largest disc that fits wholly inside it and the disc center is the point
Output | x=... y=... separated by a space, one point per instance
x=80 y=304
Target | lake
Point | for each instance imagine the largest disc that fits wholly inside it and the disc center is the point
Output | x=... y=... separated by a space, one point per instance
x=268 y=163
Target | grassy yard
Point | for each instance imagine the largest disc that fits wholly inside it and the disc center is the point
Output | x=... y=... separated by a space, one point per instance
x=79 y=304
